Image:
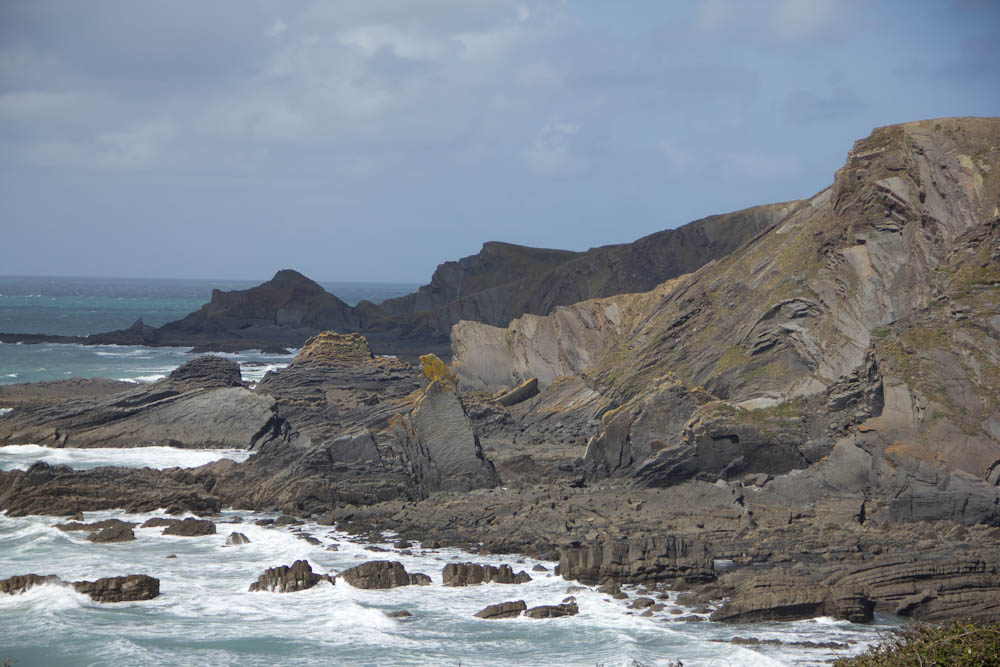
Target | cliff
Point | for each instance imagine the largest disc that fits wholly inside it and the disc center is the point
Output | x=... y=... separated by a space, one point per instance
x=852 y=349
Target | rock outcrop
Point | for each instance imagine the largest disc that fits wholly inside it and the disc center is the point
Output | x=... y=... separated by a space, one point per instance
x=637 y=560
x=200 y=404
x=190 y=527
x=382 y=574
x=288 y=579
x=436 y=438
x=553 y=611
x=473 y=574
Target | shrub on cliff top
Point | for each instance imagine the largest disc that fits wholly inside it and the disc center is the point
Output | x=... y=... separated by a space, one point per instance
x=959 y=644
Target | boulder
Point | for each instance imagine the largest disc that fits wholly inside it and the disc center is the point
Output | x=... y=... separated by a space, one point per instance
x=472 y=574
x=378 y=574
x=191 y=527
x=129 y=588
x=285 y=579
x=553 y=611
x=503 y=610
x=235 y=539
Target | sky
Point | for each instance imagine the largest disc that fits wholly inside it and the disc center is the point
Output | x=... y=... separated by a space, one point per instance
x=372 y=140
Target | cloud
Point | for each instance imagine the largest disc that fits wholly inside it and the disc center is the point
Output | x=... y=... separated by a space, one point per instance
x=804 y=107
x=551 y=153
x=782 y=20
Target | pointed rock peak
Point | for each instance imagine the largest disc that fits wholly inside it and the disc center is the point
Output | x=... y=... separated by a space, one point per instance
x=289 y=279
x=331 y=347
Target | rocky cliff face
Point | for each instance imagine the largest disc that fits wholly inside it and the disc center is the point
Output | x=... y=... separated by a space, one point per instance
x=856 y=341
x=504 y=281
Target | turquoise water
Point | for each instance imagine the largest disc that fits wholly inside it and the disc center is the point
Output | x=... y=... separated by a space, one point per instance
x=81 y=306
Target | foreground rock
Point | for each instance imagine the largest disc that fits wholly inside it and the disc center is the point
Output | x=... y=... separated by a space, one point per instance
x=285 y=579
x=473 y=574
x=118 y=532
x=785 y=598
x=378 y=574
x=503 y=610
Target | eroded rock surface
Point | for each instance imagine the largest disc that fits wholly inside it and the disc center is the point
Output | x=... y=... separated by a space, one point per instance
x=289 y=579
x=382 y=574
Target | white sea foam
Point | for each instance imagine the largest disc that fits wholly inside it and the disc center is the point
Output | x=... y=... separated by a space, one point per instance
x=20 y=457
x=6 y=411
x=11 y=375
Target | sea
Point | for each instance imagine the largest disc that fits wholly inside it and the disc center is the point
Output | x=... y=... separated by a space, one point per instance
x=205 y=614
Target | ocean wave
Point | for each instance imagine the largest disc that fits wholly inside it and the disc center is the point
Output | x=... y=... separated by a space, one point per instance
x=20 y=457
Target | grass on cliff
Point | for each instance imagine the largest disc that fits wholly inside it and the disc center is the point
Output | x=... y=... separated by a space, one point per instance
x=960 y=644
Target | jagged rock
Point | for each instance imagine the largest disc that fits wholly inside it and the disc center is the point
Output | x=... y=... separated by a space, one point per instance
x=284 y=579
x=643 y=559
x=437 y=441
x=236 y=539
x=191 y=527
x=382 y=574
x=21 y=583
x=553 y=611
x=120 y=589
x=473 y=574
x=503 y=610
x=94 y=526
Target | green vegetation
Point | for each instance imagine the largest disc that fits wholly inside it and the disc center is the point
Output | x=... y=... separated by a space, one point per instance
x=731 y=358
x=960 y=644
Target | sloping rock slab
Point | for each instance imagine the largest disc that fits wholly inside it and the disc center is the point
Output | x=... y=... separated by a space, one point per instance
x=503 y=610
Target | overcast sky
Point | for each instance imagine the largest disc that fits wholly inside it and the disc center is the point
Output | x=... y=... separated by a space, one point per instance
x=372 y=140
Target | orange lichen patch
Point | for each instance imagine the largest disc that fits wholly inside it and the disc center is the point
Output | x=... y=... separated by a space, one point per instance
x=435 y=370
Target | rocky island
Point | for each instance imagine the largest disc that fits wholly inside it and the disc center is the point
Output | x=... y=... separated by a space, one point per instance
x=793 y=408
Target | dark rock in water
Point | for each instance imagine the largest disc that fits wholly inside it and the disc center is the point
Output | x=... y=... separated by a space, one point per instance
x=21 y=583
x=96 y=525
x=538 y=567
x=402 y=613
x=378 y=574
x=159 y=522
x=120 y=532
x=191 y=527
x=236 y=539
x=503 y=610
x=473 y=574
x=553 y=611
x=642 y=603
x=285 y=520
x=285 y=579
x=120 y=589
x=641 y=559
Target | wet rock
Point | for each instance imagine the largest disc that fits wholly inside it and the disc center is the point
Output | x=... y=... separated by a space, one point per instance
x=21 y=583
x=538 y=567
x=130 y=588
x=642 y=603
x=95 y=526
x=285 y=579
x=402 y=613
x=236 y=539
x=120 y=532
x=285 y=520
x=191 y=527
x=473 y=574
x=503 y=610
x=378 y=574
x=553 y=611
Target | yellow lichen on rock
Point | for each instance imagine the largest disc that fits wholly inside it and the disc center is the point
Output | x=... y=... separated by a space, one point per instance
x=435 y=370
x=330 y=346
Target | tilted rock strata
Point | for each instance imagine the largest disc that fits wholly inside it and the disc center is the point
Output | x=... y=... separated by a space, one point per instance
x=130 y=588
x=382 y=574
x=288 y=579
x=473 y=574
